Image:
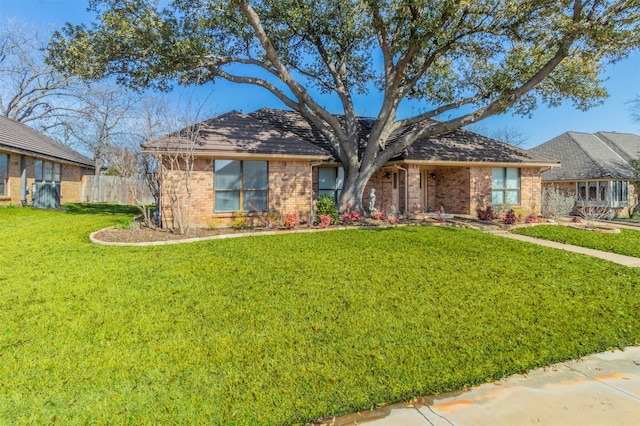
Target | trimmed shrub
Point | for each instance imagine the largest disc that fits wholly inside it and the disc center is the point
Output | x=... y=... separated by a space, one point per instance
x=488 y=214
x=291 y=221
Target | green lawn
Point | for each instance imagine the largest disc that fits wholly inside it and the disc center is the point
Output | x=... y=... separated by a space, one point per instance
x=627 y=242
x=282 y=329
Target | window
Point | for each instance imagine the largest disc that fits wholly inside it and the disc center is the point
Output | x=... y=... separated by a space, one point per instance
x=505 y=185
x=330 y=181
x=619 y=193
x=240 y=183
x=4 y=173
x=46 y=171
x=601 y=193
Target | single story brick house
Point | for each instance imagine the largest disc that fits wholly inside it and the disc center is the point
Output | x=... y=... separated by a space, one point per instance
x=595 y=169
x=28 y=157
x=274 y=160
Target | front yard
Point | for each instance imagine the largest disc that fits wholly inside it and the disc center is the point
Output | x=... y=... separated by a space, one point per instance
x=282 y=329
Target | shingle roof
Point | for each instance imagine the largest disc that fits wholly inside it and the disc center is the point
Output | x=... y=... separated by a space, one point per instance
x=602 y=155
x=237 y=133
x=465 y=146
x=456 y=146
x=274 y=131
x=19 y=137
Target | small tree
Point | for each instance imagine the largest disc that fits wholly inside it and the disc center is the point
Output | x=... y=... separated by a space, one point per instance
x=173 y=161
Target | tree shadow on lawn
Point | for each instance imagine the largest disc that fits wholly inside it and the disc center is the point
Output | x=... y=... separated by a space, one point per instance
x=99 y=208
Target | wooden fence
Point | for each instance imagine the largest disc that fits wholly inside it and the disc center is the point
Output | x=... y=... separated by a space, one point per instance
x=115 y=189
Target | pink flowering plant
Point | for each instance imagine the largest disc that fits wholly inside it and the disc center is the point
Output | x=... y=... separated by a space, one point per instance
x=324 y=220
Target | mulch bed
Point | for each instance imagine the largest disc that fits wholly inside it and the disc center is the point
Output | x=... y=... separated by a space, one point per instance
x=146 y=235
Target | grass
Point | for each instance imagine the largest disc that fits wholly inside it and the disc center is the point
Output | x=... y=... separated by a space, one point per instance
x=627 y=242
x=282 y=329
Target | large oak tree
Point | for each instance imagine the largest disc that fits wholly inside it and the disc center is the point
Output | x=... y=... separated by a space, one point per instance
x=463 y=60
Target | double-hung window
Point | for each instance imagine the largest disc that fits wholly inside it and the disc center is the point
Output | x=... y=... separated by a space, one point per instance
x=46 y=171
x=505 y=186
x=240 y=185
x=330 y=181
x=4 y=174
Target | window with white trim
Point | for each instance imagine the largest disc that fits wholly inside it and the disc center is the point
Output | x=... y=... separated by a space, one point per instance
x=240 y=183
x=505 y=186
x=603 y=193
x=4 y=174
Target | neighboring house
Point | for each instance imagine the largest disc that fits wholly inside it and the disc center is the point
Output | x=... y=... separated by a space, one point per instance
x=274 y=160
x=27 y=158
x=595 y=170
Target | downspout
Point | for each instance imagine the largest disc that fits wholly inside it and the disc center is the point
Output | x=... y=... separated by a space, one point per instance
x=406 y=188
x=312 y=214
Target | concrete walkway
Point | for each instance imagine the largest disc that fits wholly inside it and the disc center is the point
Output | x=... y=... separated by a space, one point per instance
x=620 y=259
x=601 y=389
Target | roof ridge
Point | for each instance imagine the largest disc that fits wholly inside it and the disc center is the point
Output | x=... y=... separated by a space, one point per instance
x=614 y=146
x=596 y=162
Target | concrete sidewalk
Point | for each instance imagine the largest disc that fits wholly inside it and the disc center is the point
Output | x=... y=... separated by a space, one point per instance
x=601 y=389
x=620 y=259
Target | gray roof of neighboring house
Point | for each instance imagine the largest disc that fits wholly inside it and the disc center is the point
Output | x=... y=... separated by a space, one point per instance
x=238 y=133
x=602 y=155
x=274 y=131
x=18 y=137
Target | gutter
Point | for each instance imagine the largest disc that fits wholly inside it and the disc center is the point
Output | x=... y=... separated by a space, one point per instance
x=312 y=214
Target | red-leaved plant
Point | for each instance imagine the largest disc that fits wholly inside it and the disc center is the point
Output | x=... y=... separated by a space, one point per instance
x=532 y=218
x=510 y=218
x=291 y=221
x=487 y=214
x=380 y=216
x=325 y=220
x=351 y=217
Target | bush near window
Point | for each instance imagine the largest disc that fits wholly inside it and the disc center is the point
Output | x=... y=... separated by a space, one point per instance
x=323 y=220
x=291 y=221
x=326 y=205
x=487 y=214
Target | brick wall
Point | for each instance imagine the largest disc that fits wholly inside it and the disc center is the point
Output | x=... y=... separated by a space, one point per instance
x=452 y=189
x=70 y=180
x=290 y=188
x=463 y=190
x=289 y=192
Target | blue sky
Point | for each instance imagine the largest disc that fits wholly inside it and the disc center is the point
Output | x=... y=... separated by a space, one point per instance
x=623 y=84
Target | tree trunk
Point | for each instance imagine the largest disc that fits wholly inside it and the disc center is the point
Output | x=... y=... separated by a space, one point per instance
x=353 y=188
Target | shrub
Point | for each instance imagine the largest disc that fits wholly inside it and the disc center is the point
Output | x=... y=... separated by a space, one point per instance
x=324 y=220
x=576 y=219
x=326 y=205
x=239 y=220
x=380 y=215
x=213 y=223
x=532 y=218
x=351 y=217
x=510 y=218
x=556 y=202
x=393 y=219
x=487 y=214
x=291 y=221
x=123 y=224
